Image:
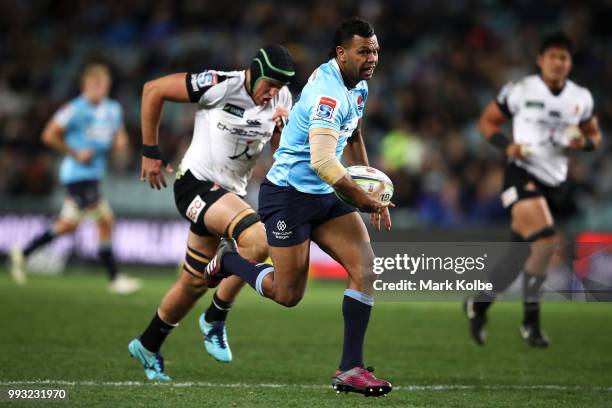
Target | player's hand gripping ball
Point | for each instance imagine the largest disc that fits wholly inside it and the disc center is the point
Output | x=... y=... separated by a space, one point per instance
x=370 y=181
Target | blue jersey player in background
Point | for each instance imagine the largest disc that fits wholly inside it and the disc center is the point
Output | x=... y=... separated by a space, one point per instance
x=84 y=130
x=297 y=202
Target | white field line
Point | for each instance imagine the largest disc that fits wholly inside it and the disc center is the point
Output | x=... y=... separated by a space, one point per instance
x=432 y=387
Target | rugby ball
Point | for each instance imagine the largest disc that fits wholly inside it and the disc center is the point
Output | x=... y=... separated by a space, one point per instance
x=369 y=179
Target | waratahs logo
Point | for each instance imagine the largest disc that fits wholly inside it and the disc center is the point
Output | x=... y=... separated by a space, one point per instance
x=280 y=225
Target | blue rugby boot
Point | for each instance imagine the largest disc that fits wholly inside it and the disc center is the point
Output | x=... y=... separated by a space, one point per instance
x=153 y=363
x=215 y=340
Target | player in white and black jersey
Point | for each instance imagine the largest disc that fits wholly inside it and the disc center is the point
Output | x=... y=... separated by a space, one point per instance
x=238 y=113
x=551 y=116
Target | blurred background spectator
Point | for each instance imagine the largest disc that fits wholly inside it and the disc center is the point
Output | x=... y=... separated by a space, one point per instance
x=441 y=61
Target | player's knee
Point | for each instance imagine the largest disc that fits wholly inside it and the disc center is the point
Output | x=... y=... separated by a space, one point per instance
x=192 y=284
x=64 y=227
x=368 y=278
x=546 y=234
x=257 y=252
x=102 y=213
x=194 y=268
x=545 y=246
x=107 y=223
x=289 y=299
x=198 y=288
x=250 y=235
x=252 y=244
x=362 y=272
x=288 y=296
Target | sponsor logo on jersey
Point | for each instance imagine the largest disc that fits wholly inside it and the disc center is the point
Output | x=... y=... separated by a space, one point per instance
x=281 y=233
x=195 y=208
x=509 y=197
x=326 y=108
x=350 y=127
x=207 y=78
x=203 y=80
x=233 y=110
x=253 y=122
x=360 y=104
x=534 y=104
x=554 y=114
x=100 y=132
x=243 y=132
x=244 y=152
x=247 y=149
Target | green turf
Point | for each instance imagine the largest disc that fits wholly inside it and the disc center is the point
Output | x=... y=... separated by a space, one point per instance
x=70 y=329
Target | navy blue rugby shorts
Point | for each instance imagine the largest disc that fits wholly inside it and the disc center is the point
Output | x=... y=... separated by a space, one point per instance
x=290 y=215
x=85 y=193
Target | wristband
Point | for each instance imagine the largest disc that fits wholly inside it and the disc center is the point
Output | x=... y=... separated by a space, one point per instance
x=153 y=152
x=499 y=140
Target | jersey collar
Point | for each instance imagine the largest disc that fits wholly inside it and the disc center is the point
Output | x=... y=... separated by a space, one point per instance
x=555 y=92
x=339 y=75
x=90 y=103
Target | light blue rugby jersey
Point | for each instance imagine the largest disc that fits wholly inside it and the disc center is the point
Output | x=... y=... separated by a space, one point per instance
x=325 y=102
x=88 y=126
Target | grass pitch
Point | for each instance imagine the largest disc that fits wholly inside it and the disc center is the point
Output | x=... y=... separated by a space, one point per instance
x=68 y=333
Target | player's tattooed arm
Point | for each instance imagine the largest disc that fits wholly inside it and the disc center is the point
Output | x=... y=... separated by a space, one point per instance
x=355 y=150
x=53 y=136
x=490 y=122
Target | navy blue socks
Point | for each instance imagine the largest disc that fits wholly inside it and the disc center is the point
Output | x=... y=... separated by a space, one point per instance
x=356 y=308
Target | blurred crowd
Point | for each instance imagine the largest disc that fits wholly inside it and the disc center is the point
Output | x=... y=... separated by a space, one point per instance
x=441 y=61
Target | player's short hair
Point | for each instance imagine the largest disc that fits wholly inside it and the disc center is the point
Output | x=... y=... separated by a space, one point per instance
x=348 y=28
x=95 y=70
x=556 y=40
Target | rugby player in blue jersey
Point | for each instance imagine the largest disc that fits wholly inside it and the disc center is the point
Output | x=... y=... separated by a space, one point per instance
x=297 y=202
x=84 y=130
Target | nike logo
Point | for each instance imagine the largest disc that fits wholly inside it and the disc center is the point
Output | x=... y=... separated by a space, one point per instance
x=145 y=363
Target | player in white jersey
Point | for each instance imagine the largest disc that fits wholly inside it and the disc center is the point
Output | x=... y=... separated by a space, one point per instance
x=551 y=116
x=84 y=130
x=238 y=113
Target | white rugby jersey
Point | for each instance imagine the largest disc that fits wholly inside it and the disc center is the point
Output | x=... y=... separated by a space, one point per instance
x=541 y=120
x=230 y=131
